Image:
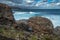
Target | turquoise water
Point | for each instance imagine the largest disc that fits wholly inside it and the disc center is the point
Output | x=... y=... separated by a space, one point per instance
x=26 y=15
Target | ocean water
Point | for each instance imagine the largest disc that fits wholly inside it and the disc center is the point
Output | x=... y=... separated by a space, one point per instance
x=53 y=16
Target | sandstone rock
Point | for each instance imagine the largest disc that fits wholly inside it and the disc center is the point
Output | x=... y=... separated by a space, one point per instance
x=6 y=15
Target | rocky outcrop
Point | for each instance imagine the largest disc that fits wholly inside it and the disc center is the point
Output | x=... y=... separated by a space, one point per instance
x=38 y=25
x=6 y=15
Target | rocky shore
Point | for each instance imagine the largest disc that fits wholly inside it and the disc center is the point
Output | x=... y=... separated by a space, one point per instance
x=35 y=28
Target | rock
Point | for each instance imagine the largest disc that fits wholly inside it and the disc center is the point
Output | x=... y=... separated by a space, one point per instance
x=37 y=25
x=22 y=24
x=57 y=31
x=6 y=15
x=41 y=24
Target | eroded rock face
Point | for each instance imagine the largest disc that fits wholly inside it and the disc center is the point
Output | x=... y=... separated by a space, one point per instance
x=6 y=15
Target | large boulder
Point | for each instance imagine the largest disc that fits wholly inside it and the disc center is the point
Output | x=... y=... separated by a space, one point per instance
x=41 y=24
x=6 y=15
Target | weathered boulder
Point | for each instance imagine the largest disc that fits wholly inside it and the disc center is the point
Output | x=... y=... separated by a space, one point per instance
x=41 y=24
x=6 y=15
